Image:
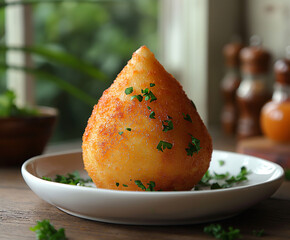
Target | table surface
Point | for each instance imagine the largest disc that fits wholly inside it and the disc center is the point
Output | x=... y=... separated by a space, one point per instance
x=20 y=208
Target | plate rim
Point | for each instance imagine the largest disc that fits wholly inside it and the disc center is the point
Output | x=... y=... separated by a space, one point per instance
x=25 y=172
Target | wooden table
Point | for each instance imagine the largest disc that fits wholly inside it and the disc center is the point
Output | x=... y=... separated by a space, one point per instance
x=20 y=208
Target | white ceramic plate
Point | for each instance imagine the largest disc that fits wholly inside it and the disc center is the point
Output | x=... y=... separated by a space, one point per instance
x=153 y=208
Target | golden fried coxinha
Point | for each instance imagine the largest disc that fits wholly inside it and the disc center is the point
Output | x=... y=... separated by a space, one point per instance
x=144 y=129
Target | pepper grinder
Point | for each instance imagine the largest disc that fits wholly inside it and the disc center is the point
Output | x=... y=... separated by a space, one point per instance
x=229 y=86
x=275 y=115
x=253 y=92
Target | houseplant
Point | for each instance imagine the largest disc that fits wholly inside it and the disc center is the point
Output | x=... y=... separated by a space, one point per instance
x=111 y=36
x=24 y=132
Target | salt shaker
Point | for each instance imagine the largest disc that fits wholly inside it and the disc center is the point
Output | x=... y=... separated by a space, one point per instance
x=253 y=92
x=229 y=86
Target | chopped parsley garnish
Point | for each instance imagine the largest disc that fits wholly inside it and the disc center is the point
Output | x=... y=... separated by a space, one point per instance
x=139 y=97
x=128 y=90
x=148 y=95
x=150 y=188
x=187 y=117
x=169 y=117
x=117 y=184
x=218 y=181
x=167 y=127
x=46 y=178
x=163 y=145
x=242 y=176
x=221 y=162
x=287 y=174
x=125 y=185
x=45 y=231
x=71 y=178
x=152 y=115
x=128 y=129
x=152 y=84
x=193 y=147
x=259 y=233
x=120 y=133
x=217 y=231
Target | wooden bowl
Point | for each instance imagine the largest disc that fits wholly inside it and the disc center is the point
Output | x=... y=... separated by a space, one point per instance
x=24 y=137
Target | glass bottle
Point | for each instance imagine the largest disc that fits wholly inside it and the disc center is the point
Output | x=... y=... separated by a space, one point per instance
x=229 y=86
x=253 y=92
x=275 y=115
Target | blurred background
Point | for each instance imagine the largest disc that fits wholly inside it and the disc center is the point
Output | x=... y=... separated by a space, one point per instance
x=187 y=37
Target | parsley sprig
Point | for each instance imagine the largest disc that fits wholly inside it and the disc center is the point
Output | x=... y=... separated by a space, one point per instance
x=150 y=188
x=187 y=117
x=139 y=97
x=193 y=146
x=45 y=231
x=224 y=180
x=128 y=90
x=163 y=145
x=71 y=178
x=148 y=95
x=167 y=125
x=221 y=162
x=152 y=114
x=217 y=231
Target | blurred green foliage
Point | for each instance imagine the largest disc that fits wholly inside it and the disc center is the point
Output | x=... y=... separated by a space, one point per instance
x=8 y=107
x=104 y=34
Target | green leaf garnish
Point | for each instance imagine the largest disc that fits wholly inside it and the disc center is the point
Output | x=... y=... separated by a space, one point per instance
x=140 y=184
x=187 y=117
x=149 y=107
x=163 y=145
x=221 y=162
x=128 y=129
x=148 y=95
x=224 y=180
x=117 y=184
x=120 y=133
x=221 y=176
x=152 y=84
x=128 y=90
x=46 y=178
x=193 y=147
x=151 y=185
x=167 y=127
x=152 y=115
x=139 y=97
x=125 y=185
x=71 y=179
x=215 y=186
x=45 y=231
x=217 y=231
